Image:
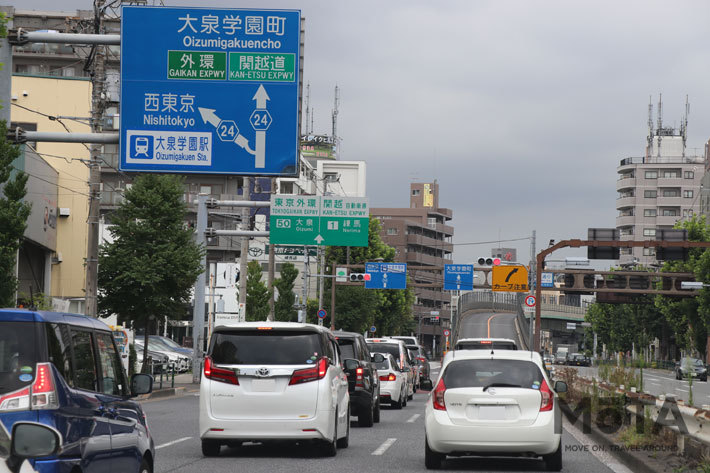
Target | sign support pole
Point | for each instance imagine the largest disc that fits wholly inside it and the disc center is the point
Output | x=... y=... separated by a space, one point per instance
x=332 y=300
x=244 y=253
x=198 y=314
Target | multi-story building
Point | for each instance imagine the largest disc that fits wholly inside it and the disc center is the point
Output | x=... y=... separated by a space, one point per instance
x=657 y=190
x=423 y=239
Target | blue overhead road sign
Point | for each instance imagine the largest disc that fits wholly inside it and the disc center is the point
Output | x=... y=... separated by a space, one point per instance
x=209 y=91
x=458 y=277
x=386 y=275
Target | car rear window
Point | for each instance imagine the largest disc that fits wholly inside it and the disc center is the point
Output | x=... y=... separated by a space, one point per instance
x=18 y=355
x=390 y=348
x=481 y=345
x=385 y=365
x=347 y=348
x=266 y=347
x=486 y=372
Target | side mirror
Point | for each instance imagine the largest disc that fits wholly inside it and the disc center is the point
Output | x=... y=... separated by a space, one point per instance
x=32 y=440
x=378 y=358
x=141 y=384
x=560 y=387
x=350 y=364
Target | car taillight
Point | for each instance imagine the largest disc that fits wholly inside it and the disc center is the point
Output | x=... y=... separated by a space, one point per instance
x=388 y=377
x=44 y=395
x=310 y=374
x=421 y=358
x=358 y=376
x=15 y=400
x=219 y=374
x=438 y=396
x=547 y=397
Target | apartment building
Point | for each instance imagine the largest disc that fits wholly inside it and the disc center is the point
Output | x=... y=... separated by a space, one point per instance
x=422 y=238
x=658 y=189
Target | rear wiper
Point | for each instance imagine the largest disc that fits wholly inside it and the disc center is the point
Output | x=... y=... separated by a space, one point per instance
x=501 y=385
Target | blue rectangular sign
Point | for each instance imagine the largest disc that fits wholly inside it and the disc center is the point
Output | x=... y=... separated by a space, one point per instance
x=546 y=280
x=209 y=91
x=386 y=275
x=458 y=277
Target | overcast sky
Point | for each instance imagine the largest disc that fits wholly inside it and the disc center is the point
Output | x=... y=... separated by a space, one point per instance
x=520 y=109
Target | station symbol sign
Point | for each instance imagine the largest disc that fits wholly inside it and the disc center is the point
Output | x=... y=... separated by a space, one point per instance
x=386 y=275
x=209 y=91
x=510 y=278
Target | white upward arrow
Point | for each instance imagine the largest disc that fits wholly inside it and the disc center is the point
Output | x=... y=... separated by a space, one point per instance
x=260 y=145
x=261 y=97
x=319 y=239
x=208 y=116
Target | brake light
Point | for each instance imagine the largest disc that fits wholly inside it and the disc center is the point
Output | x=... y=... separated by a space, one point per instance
x=219 y=374
x=16 y=400
x=421 y=358
x=547 y=397
x=358 y=377
x=43 y=394
x=438 y=396
x=485 y=342
x=310 y=374
x=388 y=377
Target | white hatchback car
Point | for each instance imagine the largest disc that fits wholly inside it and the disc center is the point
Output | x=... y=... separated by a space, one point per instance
x=393 y=383
x=494 y=403
x=267 y=381
x=398 y=350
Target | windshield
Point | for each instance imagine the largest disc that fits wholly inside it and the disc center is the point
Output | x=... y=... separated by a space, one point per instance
x=166 y=341
x=267 y=347
x=483 y=373
x=692 y=361
x=18 y=356
x=390 y=348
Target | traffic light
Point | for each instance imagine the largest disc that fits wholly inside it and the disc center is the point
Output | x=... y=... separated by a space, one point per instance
x=435 y=320
x=359 y=277
x=489 y=261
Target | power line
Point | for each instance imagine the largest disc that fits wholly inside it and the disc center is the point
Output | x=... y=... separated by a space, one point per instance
x=50 y=117
x=489 y=242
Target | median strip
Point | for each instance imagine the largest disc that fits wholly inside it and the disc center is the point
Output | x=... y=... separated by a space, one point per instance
x=385 y=445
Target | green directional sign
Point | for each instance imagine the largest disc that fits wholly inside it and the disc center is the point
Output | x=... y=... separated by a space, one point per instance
x=263 y=67
x=200 y=65
x=319 y=220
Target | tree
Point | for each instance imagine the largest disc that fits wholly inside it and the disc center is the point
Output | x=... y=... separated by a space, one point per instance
x=149 y=269
x=13 y=216
x=257 y=294
x=283 y=307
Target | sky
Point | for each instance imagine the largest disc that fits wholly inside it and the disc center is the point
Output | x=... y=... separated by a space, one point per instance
x=521 y=110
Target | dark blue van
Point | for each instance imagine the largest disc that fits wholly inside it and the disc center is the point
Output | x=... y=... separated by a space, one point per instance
x=64 y=371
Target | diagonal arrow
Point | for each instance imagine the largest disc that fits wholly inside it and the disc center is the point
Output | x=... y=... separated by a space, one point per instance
x=208 y=116
x=510 y=274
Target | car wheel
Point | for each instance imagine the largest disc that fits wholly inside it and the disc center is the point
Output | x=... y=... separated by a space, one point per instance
x=397 y=404
x=553 y=462
x=432 y=459
x=210 y=448
x=145 y=466
x=376 y=415
x=345 y=441
x=329 y=448
x=404 y=399
x=366 y=417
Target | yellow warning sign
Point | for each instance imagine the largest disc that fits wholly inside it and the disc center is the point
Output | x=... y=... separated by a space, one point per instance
x=513 y=278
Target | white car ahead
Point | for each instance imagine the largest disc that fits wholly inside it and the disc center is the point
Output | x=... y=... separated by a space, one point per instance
x=494 y=403
x=266 y=381
x=393 y=383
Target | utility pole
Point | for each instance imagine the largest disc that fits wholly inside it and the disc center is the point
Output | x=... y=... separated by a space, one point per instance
x=533 y=269
x=332 y=299
x=244 y=254
x=272 y=262
x=198 y=315
x=98 y=82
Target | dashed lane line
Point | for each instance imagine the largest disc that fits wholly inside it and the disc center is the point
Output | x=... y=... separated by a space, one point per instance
x=172 y=443
x=413 y=418
x=385 y=445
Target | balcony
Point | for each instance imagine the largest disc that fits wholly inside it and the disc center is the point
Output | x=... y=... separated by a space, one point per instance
x=623 y=202
x=626 y=183
x=422 y=240
x=625 y=221
x=666 y=220
x=447 y=213
x=421 y=258
x=672 y=201
x=430 y=294
x=670 y=181
x=440 y=227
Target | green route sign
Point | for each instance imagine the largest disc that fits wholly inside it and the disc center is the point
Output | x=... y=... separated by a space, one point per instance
x=202 y=65
x=319 y=220
x=264 y=67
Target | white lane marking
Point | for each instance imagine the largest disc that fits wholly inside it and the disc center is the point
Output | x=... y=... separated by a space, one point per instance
x=172 y=443
x=653 y=382
x=413 y=418
x=385 y=445
x=681 y=389
x=604 y=457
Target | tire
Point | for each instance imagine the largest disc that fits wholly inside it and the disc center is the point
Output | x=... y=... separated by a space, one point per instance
x=376 y=416
x=210 y=448
x=404 y=399
x=397 y=404
x=328 y=448
x=553 y=461
x=366 y=417
x=432 y=459
x=145 y=466
x=345 y=441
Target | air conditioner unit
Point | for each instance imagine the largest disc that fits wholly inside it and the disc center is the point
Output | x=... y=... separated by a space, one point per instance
x=64 y=211
x=57 y=258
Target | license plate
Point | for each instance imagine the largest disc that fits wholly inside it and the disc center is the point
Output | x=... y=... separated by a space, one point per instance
x=491 y=412
x=263 y=385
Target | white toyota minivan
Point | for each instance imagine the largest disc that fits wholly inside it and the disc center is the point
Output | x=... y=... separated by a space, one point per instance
x=267 y=381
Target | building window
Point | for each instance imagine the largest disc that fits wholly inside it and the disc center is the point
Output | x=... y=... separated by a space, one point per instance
x=651 y=174
x=671 y=174
x=392 y=231
x=670 y=212
x=286 y=188
x=649 y=252
x=689 y=175
x=649 y=213
x=688 y=194
x=330 y=176
x=650 y=194
x=431 y=222
x=415 y=191
x=649 y=232
x=671 y=193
